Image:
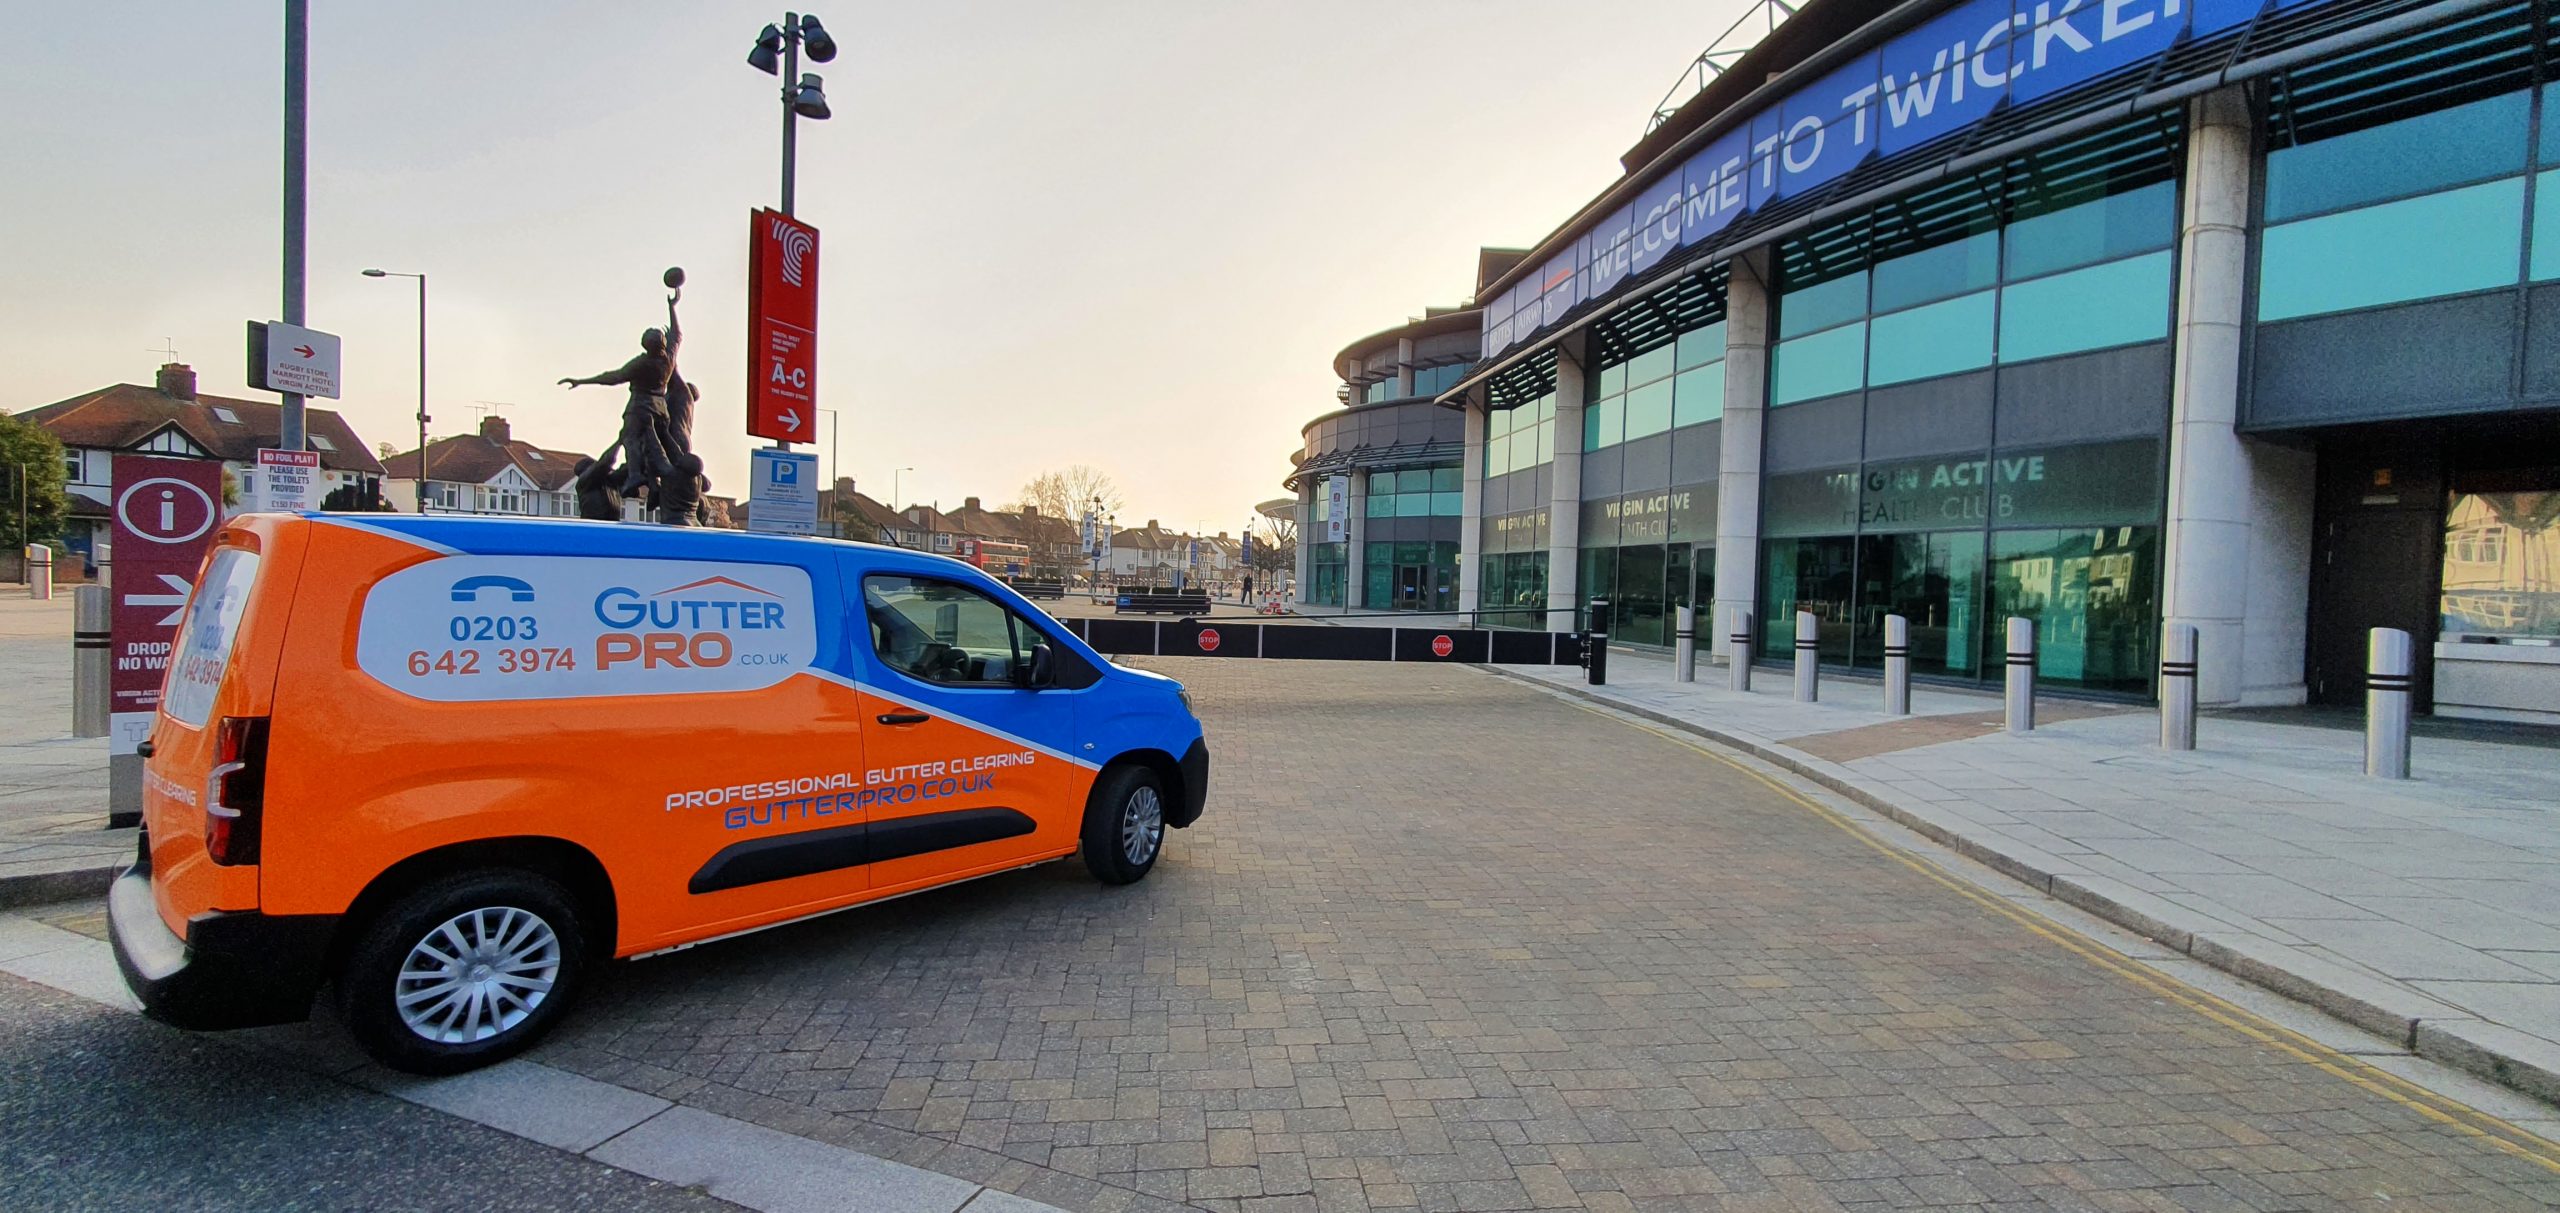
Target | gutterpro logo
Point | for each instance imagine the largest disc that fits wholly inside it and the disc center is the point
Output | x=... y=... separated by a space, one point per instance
x=468 y=628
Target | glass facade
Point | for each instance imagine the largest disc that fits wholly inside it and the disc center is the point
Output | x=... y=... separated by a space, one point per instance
x=1415 y=493
x=1409 y=575
x=1675 y=384
x=1512 y=591
x=2502 y=555
x=2384 y=209
x=1327 y=566
x=2031 y=268
x=1517 y=439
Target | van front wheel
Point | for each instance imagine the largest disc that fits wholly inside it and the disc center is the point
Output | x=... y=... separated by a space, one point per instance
x=1124 y=825
x=464 y=971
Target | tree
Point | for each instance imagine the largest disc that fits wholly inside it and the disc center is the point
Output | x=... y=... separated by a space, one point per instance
x=31 y=460
x=1275 y=548
x=1068 y=493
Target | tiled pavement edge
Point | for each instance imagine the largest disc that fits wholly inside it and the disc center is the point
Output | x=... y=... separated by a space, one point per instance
x=2509 y=1041
x=53 y=787
x=738 y=1161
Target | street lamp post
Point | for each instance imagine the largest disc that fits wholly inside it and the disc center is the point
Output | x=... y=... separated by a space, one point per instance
x=422 y=376
x=894 y=481
x=777 y=52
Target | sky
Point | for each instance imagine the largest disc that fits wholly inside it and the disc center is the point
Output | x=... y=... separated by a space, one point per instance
x=1125 y=234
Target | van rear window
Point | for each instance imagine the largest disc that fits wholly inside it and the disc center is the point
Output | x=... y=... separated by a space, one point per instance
x=206 y=634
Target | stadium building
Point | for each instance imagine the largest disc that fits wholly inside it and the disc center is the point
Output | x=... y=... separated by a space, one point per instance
x=2109 y=313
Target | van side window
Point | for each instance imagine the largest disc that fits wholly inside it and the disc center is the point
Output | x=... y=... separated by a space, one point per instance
x=946 y=633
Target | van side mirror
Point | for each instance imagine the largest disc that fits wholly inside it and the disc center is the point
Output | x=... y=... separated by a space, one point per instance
x=1044 y=668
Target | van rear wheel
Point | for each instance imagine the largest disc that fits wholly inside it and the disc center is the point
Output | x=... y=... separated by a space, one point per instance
x=1124 y=825
x=464 y=971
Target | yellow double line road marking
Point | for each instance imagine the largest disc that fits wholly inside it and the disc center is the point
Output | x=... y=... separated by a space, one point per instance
x=2436 y=1107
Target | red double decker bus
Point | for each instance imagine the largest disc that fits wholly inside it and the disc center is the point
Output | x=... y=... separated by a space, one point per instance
x=998 y=557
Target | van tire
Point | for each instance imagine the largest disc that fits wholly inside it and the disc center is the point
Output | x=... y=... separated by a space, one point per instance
x=1125 y=814
x=532 y=929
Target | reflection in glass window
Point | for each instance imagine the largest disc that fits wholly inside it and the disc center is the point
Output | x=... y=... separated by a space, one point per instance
x=2092 y=595
x=1604 y=424
x=2502 y=558
x=1649 y=408
x=1698 y=347
x=1938 y=339
x=2107 y=228
x=2440 y=244
x=1952 y=268
x=2118 y=303
x=2546 y=224
x=1698 y=395
x=1823 y=305
x=2397 y=159
x=1649 y=366
x=1824 y=364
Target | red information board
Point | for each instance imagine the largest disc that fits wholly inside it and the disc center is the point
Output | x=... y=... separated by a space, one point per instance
x=782 y=328
x=166 y=511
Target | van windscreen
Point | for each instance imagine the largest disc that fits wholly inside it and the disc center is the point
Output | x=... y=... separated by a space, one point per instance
x=206 y=634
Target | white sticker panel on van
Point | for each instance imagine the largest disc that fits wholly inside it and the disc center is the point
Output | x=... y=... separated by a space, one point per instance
x=471 y=629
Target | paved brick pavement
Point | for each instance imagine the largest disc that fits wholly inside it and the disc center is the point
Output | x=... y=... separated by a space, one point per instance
x=2425 y=909
x=53 y=786
x=1445 y=942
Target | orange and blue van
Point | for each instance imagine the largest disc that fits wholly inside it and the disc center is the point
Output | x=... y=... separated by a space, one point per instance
x=443 y=766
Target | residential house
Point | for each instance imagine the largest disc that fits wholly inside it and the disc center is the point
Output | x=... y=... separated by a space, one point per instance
x=170 y=418
x=490 y=472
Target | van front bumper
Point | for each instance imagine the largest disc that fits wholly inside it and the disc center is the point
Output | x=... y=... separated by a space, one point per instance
x=233 y=970
x=1195 y=784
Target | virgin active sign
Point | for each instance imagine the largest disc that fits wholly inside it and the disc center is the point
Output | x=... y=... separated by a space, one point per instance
x=1942 y=76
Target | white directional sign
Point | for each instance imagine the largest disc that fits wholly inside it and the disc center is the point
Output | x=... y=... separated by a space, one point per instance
x=295 y=359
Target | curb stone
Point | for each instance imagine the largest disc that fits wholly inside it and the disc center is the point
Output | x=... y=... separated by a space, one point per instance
x=2427 y=1028
x=38 y=888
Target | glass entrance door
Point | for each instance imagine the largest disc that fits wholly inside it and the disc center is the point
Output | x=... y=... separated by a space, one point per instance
x=1412 y=583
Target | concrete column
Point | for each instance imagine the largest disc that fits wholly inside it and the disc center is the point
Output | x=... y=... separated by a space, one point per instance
x=1564 y=498
x=2238 y=548
x=1404 y=367
x=1310 y=533
x=1746 y=408
x=1355 y=547
x=1471 y=512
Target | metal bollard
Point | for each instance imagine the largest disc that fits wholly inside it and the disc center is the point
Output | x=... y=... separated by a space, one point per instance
x=1740 y=626
x=1808 y=670
x=39 y=566
x=1595 y=647
x=1897 y=665
x=2178 y=688
x=92 y=617
x=2022 y=674
x=1684 y=645
x=2388 y=684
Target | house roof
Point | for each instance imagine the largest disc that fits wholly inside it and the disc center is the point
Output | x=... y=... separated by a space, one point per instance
x=864 y=507
x=479 y=458
x=122 y=416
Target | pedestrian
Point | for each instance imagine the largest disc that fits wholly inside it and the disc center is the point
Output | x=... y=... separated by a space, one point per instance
x=1248 y=589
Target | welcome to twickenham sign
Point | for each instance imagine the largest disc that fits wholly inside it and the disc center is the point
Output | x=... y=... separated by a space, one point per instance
x=1942 y=76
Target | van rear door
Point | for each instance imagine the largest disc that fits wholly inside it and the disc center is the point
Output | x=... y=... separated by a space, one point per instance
x=199 y=807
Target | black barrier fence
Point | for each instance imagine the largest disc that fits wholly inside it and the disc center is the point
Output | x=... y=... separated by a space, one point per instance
x=1317 y=642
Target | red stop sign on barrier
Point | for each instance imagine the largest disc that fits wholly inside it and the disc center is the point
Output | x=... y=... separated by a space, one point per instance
x=1442 y=646
x=1208 y=640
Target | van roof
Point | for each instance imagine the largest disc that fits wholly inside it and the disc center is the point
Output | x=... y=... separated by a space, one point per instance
x=571 y=536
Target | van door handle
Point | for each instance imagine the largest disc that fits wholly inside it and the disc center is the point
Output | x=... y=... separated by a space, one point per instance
x=903 y=718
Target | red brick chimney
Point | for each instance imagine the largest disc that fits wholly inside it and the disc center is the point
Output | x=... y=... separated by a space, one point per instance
x=177 y=379
x=494 y=428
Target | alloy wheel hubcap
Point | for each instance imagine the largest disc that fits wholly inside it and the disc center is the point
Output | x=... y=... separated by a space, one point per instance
x=477 y=975
x=1142 y=826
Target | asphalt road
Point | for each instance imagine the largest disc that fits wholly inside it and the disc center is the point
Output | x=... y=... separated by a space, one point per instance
x=1443 y=942
x=100 y=1109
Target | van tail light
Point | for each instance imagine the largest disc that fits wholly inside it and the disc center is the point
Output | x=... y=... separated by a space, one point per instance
x=235 y=791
